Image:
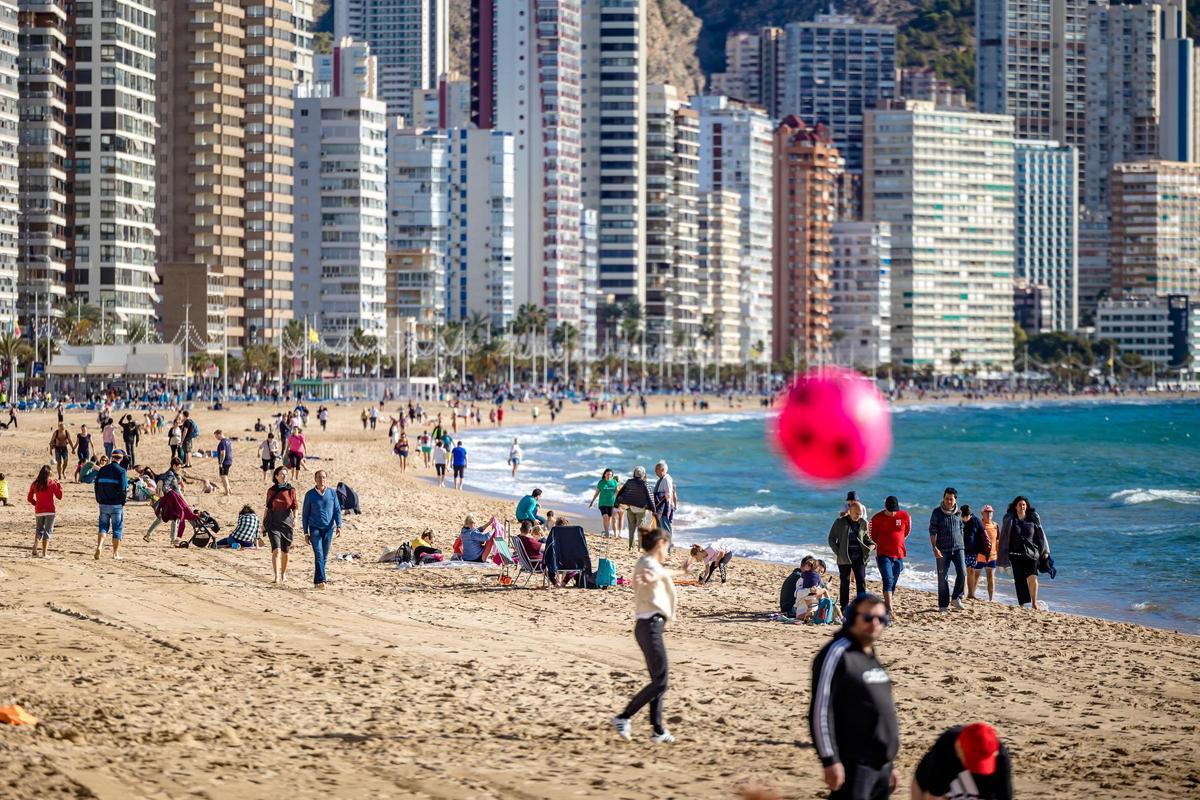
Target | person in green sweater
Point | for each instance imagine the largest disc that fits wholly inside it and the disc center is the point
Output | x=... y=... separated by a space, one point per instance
x=606 y=492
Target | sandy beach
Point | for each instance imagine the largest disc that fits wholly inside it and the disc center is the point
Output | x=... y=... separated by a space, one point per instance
x=178 y=673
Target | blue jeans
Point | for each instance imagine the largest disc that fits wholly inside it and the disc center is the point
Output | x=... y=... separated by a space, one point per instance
x=958 y=559
x=890 y=568
x=322 y=541
x=108 y=448
x=112 y=517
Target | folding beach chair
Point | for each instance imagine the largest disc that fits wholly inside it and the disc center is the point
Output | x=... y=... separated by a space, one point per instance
x=525 y=565
x=501 y=552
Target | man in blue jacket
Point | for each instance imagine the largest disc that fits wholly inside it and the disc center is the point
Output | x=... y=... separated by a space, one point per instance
x=322 y=521
x=946 y=538
x=112 y=488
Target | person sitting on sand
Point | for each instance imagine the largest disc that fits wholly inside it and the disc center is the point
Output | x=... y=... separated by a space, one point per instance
x=532 y=537
x=966 y=761
x=422 y=546
x=787 y=592
x=245 y=532
x=89 y=468
x=527 y=508
x=711 y=558
x=476 y=545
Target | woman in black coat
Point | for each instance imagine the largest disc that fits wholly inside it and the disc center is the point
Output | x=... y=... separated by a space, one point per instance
x=1023 y=545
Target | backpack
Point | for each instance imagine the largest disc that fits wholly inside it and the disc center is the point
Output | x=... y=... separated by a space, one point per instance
x=606 y=574
x=823 y=614
x=406 y=554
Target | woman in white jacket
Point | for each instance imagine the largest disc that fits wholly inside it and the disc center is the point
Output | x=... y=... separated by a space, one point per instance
x=655 y=606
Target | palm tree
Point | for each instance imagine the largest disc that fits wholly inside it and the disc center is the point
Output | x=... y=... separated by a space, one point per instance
x=708 y=332
x=137 y=331
x=566 y=335
x=14 y=350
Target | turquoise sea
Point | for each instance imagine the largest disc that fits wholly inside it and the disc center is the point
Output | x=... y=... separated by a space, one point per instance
x=1117 y=486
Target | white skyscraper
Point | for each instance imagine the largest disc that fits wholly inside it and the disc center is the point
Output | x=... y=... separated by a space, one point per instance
x=408 y=37
x=862 y=292
x=525 y=80
x=1046 y=212
x=944 y=180
x=736 y=155
x=720 y=262
x=341 y=211
x=302 y=21
x=113 y=259
x=479 y=244
x=613 y=162
x=417 y=222
x=9 y=114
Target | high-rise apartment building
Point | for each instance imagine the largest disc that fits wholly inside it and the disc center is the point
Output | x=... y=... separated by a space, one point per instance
x=806 y=170
x=226 y=72
x=720 y=261
x=944 y=181
x=1095 y=268
x=448 y=105
x=112 y=261
x=480 y=260
x=672 y=163
x=1155 y=238
x=754 y=68
x=410 y=39
x=862 y=293
x=837 y=69
x=924 y=84
x=302 y=38
x=43 y=237
x=418 y=216
x=271 y=77
x=1046 y=210
x=9 y=163
x=341 y=209
x=736 y=155
x=1030 y=63
x=589 y=254
x=526 y=80
x=1179 y=139
x=613 y=124
x=1123 y=111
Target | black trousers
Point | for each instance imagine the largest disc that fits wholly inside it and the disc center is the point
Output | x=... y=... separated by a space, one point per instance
x=649 y=635
x=860 y=581
x=1022 y=568
x=713 y=567
x=864 y=783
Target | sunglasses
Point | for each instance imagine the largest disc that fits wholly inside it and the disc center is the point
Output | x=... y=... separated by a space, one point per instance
x=882 y=619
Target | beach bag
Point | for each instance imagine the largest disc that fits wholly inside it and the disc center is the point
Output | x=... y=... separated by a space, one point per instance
x=823 y=614
x=606 y=574
x=406 y=554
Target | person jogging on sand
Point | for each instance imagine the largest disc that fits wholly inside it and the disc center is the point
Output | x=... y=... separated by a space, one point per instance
x=851 y=715
x=968 y=762
x=655 y=599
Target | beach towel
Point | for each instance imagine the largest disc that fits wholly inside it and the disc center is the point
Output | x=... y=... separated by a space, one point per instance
x=567 y=551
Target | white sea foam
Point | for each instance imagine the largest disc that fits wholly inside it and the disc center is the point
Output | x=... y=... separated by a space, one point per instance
x=601 y=450
x=699 y=516
x=1134 y=497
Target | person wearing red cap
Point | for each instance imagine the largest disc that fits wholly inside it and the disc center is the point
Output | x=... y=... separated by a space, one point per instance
x=967 y=762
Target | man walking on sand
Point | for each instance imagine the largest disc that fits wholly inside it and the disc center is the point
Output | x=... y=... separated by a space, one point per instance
x=112 y=489
x=224 y=459
x=458 y=460
x=852 y=716
x=946 y=539
x=322 y=521
x=889 y=530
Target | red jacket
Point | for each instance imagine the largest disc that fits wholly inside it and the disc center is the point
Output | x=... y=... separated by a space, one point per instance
x=42 y=500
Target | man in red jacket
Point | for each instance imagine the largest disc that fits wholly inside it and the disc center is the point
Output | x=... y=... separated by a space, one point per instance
x=890 y=529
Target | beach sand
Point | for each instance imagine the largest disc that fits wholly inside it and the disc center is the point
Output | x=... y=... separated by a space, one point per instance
x=184 y=673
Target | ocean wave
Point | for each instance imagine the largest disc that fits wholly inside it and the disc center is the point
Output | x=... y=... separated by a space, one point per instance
x=1134 y=497
x=1146 y=606
x=698 y=516
x=602 y=450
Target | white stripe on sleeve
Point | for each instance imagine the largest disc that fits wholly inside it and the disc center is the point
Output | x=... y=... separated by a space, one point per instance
x=821 y=706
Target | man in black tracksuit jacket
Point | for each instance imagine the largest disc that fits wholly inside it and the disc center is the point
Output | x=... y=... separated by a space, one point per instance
x=852 y=718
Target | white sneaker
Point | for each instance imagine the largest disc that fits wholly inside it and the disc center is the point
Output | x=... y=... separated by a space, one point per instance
x=622 y=727
x=663 y=738
x=958 y=604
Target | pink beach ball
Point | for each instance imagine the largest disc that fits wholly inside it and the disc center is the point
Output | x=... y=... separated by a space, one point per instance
x=834 y=426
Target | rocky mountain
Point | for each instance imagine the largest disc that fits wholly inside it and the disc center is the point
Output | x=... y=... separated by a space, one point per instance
x=686 y=38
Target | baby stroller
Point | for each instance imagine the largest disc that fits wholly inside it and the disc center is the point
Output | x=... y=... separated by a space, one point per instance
x=204 y=530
